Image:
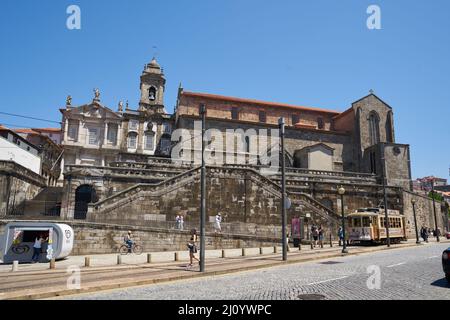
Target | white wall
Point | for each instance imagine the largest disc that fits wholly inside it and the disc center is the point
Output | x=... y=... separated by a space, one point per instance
x=12 y=152
x=320 y=158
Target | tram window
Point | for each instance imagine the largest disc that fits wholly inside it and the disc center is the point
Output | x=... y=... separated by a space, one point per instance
x=356 y=222
x=374 y=221
x=383 y=222
x=366 y=221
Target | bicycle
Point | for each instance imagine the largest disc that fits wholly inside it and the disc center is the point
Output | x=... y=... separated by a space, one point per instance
x=135 y=248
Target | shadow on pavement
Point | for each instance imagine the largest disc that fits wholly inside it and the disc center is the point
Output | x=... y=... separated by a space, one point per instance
x=441 y=283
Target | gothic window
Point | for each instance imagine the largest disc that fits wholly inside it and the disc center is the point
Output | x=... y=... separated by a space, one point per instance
x=234 y=113
x=262 y=116
x=374 y=128
x=132 y=140
x=149 y=139
x=389 y=131
x=247 y=144
x=152 y=93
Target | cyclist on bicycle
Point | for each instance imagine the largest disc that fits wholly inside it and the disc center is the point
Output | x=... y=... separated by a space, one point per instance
x=128 y=239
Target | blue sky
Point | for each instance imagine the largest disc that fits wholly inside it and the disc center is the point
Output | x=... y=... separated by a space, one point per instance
x=314 y=53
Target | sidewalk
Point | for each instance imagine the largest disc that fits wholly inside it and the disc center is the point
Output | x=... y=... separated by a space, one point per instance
x=38 y=281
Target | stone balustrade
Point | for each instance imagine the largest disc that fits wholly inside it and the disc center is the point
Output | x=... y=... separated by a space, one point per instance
x=12 y=168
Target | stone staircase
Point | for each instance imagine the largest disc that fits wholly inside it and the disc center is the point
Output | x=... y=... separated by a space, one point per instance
x=46 y=203
x=305 y=203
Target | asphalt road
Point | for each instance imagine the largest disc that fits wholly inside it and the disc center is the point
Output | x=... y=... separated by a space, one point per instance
x=401 y=274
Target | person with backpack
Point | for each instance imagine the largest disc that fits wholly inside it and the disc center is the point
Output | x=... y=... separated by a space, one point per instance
x=192 y=251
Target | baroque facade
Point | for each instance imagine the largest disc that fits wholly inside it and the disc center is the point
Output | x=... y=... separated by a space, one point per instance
x=96 y=135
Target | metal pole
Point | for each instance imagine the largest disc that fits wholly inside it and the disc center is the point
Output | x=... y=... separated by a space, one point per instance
x=344 y=246
x=434 y=210
x=415 y=221
x=283 y=191
x=203 y=194
x=388 y=239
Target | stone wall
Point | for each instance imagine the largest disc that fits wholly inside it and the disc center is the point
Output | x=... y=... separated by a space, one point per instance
x=424 y=213
x=17 y=184
x=398 y=170
x=97 y=238
x=295 y=140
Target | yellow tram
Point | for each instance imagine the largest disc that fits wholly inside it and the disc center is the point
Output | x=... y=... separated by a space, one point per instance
x=368 y=225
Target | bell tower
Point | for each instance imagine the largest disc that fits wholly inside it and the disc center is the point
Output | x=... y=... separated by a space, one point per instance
x=152 y=88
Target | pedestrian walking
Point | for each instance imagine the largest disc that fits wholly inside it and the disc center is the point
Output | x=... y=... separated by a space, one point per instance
x=287 y=241
x=341 y=236
x=315 y=234
x=192 y=251
x=177 y=222
x=217 y=227
x=182 y=222
x=424 y=233
x=320 y=233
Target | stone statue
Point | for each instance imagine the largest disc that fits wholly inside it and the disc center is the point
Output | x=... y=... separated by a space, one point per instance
x=126 y=107
x=97 y=94
x=120 y=106
x=69 y=100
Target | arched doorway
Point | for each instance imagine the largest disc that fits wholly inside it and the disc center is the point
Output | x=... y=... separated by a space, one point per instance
x=84 y=195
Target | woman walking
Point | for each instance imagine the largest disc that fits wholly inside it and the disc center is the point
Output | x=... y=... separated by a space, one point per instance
x=192 y=250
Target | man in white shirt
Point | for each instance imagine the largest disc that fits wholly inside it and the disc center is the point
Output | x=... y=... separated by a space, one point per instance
x=37 y=248
x=217 y=227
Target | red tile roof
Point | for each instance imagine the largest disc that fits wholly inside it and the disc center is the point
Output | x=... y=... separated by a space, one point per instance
x=56 y=130
x=252 y=101
x=24 y=131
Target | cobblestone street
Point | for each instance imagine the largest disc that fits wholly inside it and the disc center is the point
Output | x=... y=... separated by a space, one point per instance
x=409 y=273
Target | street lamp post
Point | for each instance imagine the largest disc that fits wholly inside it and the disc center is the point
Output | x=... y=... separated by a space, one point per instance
x=203 y=193
x=283 y=191
x=386 y=217
x=341 y=192
x=434 y=210
x=413 y=201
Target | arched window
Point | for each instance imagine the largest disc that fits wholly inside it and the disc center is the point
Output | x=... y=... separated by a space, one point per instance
x=84 y=195
x=389 y=125
x=247 y=144
x=374 y=128
x=132 y=140
x=152 y=93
